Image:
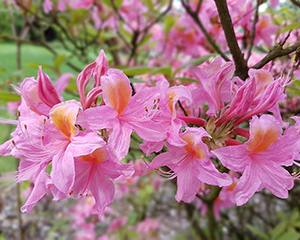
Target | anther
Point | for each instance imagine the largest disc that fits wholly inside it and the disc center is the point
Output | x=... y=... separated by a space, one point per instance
x=71 y=192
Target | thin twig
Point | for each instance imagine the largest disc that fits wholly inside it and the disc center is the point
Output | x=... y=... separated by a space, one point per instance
x=253 y=30
x=241 y=69
x=275 y=53
x=195 y=17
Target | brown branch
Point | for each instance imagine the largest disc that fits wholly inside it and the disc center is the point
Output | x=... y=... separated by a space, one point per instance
x=275 y=53
x=195 y=17
x=296 y=3
x=253 y=30
x=241 y=69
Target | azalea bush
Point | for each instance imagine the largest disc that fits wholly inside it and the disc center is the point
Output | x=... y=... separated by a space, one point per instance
x=195 y=101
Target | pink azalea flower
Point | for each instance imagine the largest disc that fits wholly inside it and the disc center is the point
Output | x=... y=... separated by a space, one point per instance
x=167 y=115
x=123 y=113
x=67 y=142
x=92 y=172
x=214 y=85
x=95 y=69
x=260 y=159
x=258 y=94
x=191 y=165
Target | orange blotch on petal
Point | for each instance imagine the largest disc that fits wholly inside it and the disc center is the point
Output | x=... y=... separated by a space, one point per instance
x=261 y=138
x=98 y=156
x=192 y=147
x=171 y=94
x=63 y=117
x=117 y=92
x=231 y=187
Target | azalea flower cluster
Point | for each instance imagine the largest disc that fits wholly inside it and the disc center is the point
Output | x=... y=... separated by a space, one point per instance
x=73 y=149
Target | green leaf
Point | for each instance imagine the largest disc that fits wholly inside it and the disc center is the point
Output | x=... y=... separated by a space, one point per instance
x=195 y=62
x=184 y=79
x=124 y=32
x=2 y=70
x=295 y=216
x=118 y=3
x=296 y=83
x=59 y=60
x=169 y=22
x=145 y=39
x=132 y=234
x=290 y=235
x=282 y=216
x=136 y=80
x=132 y=218
x=36 y=65
x=291 y=26
x=78 y=16
x=278 y=230
x=162 y=70
x=133 y=71
x=149 y=4
x=293 y=91
x=9 y=97
x=257 y=231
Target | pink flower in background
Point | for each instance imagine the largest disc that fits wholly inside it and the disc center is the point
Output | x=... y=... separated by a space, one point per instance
x=261 y=159
x=191 y=165
x=148 y=225
x=47 y=6
x=274 y=3
x=265 y=31
x=117 y=224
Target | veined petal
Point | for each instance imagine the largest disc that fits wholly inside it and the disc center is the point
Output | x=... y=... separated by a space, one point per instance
x=233 y=157
x=103 y=191
x=98 y=118
x=187 y=184
x=63 y=171
x=247 y=185
x=210 y=175
x=83 y=79
x=85 y=143
x=101 y=67
x=150 y=147
x=38 y=191
x=275 y=178
x=116 y=89
x=119 y=140
x=148 y=130
x=46 y=90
